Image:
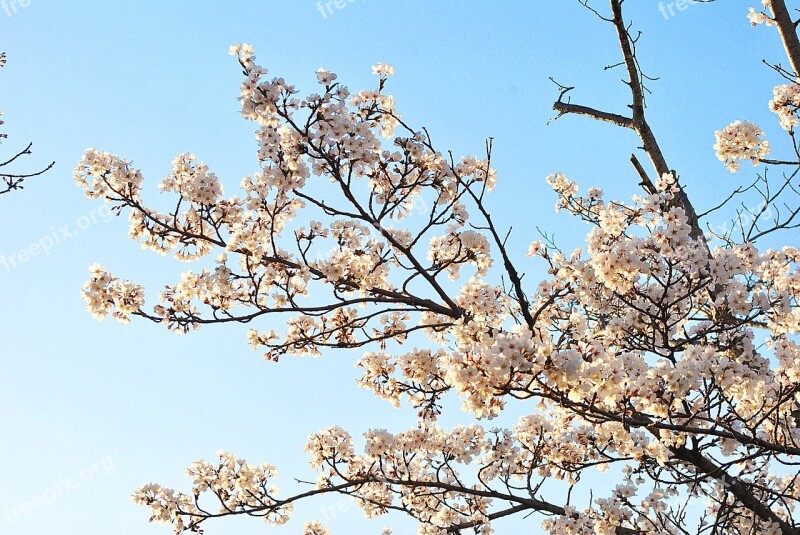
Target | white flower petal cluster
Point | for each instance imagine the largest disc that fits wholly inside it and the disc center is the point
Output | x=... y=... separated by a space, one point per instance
x=760 y=17
x=315 y=527
x=192 y=181
x=785 y=103
x=103 y=175
x=237 y=485
x=105 y=294
x=740 y=140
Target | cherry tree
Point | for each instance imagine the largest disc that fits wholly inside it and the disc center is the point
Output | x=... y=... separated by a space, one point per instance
x=647 y=353
x=13 y=180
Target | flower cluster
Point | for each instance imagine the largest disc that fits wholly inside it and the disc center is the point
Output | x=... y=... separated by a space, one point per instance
x=740 y=141
x=105 y=176
x=192 y=181
x=237 y=485
x=451 y=251
x=785 y=103
x=315 y=528
x=760 y=16
x=106 y=294
x=353 y=251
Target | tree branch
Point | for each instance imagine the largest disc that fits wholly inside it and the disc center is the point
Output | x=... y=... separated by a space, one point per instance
x=564 y=108
x=788 y=33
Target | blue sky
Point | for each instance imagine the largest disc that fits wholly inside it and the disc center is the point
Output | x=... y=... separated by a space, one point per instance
x=89 y=411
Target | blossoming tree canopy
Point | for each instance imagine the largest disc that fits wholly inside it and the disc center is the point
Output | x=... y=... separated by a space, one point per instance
x=651 y=352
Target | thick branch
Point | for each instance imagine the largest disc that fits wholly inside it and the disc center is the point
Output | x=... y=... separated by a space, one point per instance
x=564 y=108
x=649 y=143
x=646 y=183
x=523 y=503
x=733 y=485
x=634 y=82
x=786 y=28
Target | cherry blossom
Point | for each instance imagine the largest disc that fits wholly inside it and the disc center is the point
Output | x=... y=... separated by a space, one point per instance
x=643 y=352
x=740 y=141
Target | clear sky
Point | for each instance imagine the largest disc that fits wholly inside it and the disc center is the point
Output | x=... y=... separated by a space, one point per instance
x=88 y=410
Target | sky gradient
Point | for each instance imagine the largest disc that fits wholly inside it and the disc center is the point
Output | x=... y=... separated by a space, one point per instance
x=89 y=411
